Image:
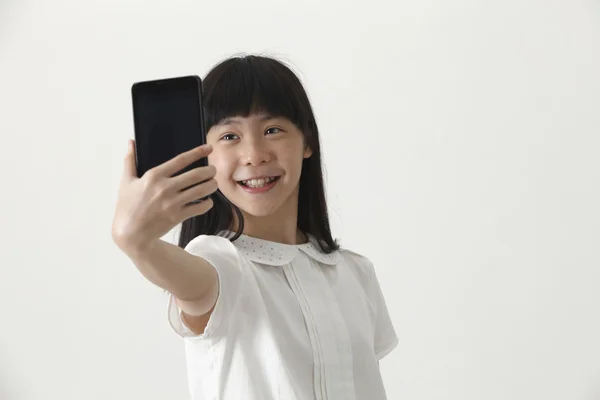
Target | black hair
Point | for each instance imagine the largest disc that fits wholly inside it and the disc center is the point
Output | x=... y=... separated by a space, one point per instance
x=251 y=84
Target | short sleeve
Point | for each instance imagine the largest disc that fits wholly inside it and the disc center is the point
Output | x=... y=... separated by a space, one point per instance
x=386 y=338
x=223 y=256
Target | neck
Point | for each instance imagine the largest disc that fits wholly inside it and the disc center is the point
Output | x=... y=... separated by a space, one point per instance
x=272 y=229
x=280 y=227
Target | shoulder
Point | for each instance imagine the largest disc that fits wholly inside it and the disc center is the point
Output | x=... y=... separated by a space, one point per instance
x=208 y=240
x=357 y=261
x=353 y=256
x=213 y=248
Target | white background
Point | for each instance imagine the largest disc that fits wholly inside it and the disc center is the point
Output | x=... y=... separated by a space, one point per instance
x=461 y=141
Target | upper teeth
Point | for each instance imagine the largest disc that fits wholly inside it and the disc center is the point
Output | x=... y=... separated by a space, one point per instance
x=258 y=182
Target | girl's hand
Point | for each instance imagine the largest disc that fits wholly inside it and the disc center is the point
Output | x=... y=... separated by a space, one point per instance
x=150 y=206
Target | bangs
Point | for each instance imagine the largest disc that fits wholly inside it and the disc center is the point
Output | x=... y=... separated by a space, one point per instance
x=240 y=87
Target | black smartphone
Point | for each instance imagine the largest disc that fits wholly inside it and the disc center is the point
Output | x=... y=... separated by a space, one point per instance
x=168 y=120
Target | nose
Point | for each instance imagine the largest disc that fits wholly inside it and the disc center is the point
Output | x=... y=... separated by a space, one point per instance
x=256 y=152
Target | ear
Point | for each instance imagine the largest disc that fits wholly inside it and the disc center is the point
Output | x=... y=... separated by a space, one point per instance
x=307 y=152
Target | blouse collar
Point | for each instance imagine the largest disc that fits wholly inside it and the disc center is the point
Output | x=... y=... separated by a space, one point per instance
x=277 y=254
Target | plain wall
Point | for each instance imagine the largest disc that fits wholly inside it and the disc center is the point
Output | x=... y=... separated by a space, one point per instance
x=461 y=142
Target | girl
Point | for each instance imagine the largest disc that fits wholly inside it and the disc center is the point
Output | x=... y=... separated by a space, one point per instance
x=268 y=304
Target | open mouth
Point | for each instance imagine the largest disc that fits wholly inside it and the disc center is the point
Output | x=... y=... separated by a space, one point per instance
x=258 y=183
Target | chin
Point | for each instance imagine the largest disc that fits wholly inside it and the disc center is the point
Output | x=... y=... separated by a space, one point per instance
x=257 y=210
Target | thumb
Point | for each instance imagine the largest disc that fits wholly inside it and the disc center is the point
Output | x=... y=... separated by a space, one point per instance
x=130 y=169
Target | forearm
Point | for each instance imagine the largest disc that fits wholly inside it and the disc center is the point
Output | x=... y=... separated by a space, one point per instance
x=186 y=276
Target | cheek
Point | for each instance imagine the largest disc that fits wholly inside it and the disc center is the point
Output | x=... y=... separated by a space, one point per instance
x=294 y=158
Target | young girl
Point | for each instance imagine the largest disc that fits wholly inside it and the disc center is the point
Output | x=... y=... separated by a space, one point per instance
x=268 y=304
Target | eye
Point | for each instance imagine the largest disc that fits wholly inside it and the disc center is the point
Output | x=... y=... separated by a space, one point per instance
x=229 y=136
x=270 y=130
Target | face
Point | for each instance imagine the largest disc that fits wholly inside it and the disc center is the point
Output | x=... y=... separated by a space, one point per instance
x=258 y=161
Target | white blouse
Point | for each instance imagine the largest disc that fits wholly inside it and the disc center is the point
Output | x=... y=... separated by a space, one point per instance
x=291 y=322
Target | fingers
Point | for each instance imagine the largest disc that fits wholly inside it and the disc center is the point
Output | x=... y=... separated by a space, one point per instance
x=197 y=209
x=181 y=161
x=197 y=192
x=193 y=177
x=129 y=168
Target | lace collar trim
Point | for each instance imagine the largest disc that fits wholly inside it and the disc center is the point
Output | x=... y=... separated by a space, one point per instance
x=278 y=254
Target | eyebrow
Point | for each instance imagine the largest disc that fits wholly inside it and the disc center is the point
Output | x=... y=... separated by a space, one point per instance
x=235 y=121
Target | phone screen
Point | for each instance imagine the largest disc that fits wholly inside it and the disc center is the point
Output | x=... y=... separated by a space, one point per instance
x=168 y=121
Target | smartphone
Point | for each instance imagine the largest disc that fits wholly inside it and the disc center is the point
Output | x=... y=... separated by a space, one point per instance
x=168 y=120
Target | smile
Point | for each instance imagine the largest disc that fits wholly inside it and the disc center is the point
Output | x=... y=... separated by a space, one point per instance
x=259 y=185
x=260 y=182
